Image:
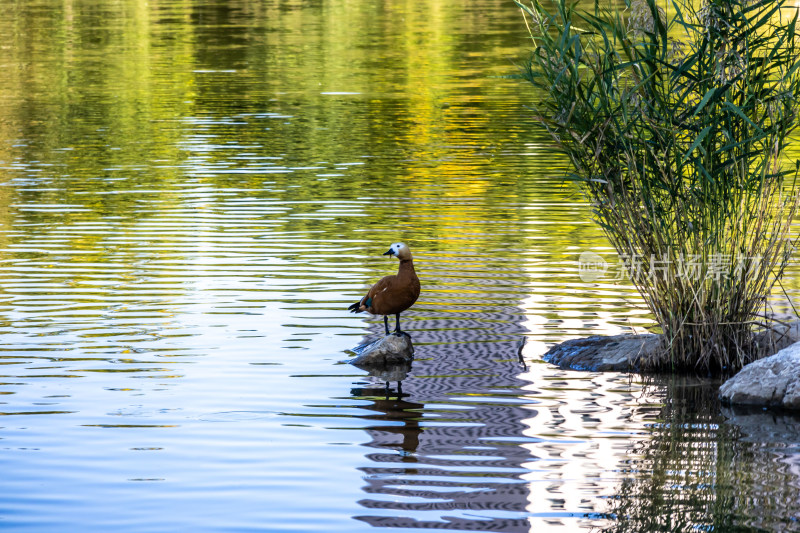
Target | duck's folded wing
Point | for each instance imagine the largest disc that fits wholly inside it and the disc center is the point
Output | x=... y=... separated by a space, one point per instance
x=377 y=294
x=365 y=303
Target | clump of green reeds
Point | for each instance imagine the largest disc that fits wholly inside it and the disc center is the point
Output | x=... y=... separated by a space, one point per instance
x=675 y=120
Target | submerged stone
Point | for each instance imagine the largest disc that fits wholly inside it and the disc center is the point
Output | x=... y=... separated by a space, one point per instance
x=388 y=372
x=756 y=425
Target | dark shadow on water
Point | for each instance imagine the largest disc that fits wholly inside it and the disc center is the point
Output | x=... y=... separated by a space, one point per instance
x=706 y=468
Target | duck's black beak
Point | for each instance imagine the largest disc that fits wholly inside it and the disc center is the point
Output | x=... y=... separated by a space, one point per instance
x=390 y=252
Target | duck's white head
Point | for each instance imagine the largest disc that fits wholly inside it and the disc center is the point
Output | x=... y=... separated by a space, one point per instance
x=399 y=250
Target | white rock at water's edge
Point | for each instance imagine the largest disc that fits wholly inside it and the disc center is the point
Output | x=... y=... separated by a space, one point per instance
x=770 y=382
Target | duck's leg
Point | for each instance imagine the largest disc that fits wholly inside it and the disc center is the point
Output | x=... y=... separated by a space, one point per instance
x=386 y=323
x=397 y=330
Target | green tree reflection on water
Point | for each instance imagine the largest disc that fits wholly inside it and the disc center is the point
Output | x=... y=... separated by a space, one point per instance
x=113 y=101
x=107 y=93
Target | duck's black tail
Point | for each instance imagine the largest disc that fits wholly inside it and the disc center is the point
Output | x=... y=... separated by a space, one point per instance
x=355 y=307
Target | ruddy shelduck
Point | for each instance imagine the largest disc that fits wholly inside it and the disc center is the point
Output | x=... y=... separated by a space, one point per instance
x=393 y=294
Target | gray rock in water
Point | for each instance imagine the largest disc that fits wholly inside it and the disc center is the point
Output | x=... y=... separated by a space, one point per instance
x=598 y=353
x=389 y=351
x=390 y=372
x=623 y=353
x=770 y=382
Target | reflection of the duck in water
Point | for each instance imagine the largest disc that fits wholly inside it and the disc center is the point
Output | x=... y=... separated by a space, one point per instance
x=446 y=449
x=392 y=411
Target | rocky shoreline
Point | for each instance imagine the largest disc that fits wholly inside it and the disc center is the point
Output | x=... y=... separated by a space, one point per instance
x=771 y=381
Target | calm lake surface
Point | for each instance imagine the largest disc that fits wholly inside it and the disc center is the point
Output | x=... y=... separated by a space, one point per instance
x=192 y=193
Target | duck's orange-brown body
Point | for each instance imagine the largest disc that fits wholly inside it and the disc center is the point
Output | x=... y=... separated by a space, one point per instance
x=392 y=294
